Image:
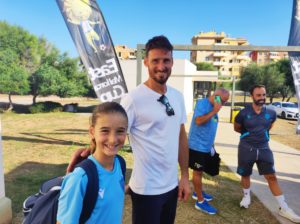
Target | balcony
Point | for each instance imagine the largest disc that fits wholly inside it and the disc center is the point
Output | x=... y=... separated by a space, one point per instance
x=220 y=54
x=220 y=63
x=275 y=57
x=243 y=57
x=225 y=73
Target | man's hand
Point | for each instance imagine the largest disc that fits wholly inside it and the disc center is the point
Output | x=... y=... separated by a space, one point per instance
x=217 y=107
x=127 y=189
x=184 y=189
x=77 y=157
x=204 y=118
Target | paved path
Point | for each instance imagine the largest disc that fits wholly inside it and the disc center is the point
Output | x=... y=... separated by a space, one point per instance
x=287 y=165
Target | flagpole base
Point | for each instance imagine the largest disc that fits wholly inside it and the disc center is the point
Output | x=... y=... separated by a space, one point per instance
x=5 y=211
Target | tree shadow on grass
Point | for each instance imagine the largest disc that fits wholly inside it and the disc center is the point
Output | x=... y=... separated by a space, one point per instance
x=44 y=138
x=17 y=108
x=87 y=109
x=42 y=141
x=24 y=108
x=76 y=131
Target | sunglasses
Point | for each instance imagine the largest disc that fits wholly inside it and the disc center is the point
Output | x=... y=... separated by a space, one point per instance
x=164 y=100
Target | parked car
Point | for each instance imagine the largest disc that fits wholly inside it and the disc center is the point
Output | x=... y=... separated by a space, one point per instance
x=286 y=110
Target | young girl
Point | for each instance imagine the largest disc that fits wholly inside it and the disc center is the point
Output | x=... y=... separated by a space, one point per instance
x=108 y=127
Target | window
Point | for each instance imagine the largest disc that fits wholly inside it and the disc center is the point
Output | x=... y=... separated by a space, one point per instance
x=289 y=105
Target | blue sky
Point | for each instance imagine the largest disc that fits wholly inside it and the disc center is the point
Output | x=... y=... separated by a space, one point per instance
x=262 y=22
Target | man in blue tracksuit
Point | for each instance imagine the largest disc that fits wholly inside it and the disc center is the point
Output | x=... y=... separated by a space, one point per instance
x=254 y=123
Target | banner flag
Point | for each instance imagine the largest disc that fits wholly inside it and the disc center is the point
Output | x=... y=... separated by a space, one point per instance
x=294 y=40
x=92 y=39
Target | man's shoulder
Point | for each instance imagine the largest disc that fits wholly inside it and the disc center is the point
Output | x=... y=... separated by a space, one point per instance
x=245 y=111
x=247 y=108
x=172 y=90
x=136 y=90
x=270 y=109
x=203 y=102
x=132 y=93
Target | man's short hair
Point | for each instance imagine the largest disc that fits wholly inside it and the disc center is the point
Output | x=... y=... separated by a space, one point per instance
x=222 y=91
x=254 y=87
x=158 y=42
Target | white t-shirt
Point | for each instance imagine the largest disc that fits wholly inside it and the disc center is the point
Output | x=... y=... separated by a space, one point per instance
x=154 y=138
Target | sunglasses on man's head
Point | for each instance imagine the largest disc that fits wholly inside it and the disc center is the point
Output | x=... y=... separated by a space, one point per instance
x=164 y=100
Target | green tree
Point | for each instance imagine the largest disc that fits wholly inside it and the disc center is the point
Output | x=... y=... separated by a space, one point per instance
x=22 y=43
x=205 y=66
x=250 y=75
x=14 y=78
x=49 y=71
x=64 y=78
x=273 y=80
x=48 y=53
x=45 y=81
x=268 y=75
x=288 y=89
x=75 y=81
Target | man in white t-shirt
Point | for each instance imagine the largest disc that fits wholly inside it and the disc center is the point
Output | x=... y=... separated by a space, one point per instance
x=156 y=114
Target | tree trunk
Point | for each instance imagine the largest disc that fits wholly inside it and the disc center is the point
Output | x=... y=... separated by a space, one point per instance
x=10 y=103
x=34 y=99
x=244 y=98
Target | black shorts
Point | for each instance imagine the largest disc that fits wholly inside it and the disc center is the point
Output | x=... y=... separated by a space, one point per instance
x=198 y=160
x=149 y=209
x=248 y=155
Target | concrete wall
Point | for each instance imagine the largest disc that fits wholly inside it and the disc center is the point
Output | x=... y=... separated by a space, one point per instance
x=183 y=68
x=183 y=75
x=5 y=203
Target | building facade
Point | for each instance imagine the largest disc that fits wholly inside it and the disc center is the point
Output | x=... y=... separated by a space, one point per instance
x=262 y=58
x=228 y=63
x=124 y=53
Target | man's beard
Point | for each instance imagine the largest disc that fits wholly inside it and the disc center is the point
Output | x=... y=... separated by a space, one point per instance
x=161 y=81
x=259 y=102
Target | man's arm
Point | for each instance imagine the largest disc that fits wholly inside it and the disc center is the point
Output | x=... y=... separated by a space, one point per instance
x=272 y=125
x=183 y=158
x=77 y=157
x=206 y=117
x=237 y=127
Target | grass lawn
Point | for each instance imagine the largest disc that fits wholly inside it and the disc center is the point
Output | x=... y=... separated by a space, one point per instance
x=37 y=147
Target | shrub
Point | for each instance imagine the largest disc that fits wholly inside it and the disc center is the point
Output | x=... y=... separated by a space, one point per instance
x=45 y=107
